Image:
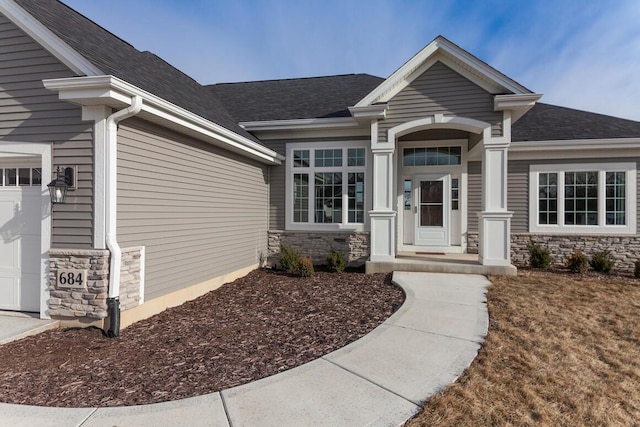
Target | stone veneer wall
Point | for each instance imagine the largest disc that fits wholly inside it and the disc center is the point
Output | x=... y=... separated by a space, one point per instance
x=90 y=300
x=624 y=249
x=130 y=276
x=316 y=245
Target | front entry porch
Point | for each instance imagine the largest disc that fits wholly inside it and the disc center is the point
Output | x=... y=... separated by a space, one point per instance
x=421 y=198
x=439 y=263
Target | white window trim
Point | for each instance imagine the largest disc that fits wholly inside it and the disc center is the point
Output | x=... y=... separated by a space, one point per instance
x=290 y=170
x=602 y=228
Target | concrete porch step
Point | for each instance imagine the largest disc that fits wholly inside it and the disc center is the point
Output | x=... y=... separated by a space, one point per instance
x=435 y=263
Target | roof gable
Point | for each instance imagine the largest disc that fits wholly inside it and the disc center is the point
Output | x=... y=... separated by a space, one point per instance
x=454 y=57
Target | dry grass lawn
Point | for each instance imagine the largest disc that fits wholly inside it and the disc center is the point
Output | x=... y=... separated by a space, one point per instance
x=561 y=350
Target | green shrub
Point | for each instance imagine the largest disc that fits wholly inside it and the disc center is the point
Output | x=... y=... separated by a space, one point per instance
x=602 y=261
x=335 y=260
x=578 y=262
x=539 y=257
x=305 y=268
x=636 y=270
x=289 y=258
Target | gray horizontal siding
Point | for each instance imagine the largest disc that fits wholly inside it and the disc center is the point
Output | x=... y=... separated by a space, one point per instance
x=277 y=186
x=200 y=211
x=474 y=191
x=30 y=113
x=440 y=90
x=518 y=195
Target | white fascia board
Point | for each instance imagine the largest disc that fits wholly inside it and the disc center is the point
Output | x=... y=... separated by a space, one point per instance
x=112 y=91
x=575 y=144
x=440 y=44
x=47 y=39
x=578 y=148
x=301 y=124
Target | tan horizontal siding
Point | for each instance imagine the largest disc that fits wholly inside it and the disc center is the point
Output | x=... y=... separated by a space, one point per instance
x=30 y=113
x=440 y=90
x=200 y=211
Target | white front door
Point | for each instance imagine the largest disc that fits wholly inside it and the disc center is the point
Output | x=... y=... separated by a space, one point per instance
x=432 y=209
x=20 y=219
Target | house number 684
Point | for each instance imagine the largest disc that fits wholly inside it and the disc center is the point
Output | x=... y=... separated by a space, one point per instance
x=71 y=278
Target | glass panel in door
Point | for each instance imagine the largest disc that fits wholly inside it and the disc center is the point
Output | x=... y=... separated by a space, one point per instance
x=431 y=203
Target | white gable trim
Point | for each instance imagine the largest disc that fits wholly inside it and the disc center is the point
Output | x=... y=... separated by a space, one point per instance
x=404 y=75
x=47 y=39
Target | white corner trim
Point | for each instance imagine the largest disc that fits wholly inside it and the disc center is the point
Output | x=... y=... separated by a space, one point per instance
x=300 y=124
x=47 y=39
x=44 y=151
x=394 y=82
x=114 y=92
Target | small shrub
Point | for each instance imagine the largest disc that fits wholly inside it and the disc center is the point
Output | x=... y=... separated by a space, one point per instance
x=305 y=268
x=289 y=258
x=602 y=261
x=335 y=260
x=578 y=262
x=539 y=257
x=636 y=270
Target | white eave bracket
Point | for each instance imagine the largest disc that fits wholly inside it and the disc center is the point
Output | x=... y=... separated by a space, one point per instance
x=116 y=93
x=518 y=104
x=367 y=113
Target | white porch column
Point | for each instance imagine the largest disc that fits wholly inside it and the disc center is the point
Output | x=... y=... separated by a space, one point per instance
x=494 y=222
x=382 y=217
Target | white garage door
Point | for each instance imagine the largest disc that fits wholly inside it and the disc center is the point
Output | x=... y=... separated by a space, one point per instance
x=20 y=217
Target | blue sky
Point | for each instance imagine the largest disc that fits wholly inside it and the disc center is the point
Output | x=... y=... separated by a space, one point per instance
x=579 y=53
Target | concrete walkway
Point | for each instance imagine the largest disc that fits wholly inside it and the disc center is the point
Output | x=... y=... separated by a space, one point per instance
x=14 y=326
x=379 y=380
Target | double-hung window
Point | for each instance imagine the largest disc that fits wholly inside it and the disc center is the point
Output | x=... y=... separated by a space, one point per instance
x=583 y=198
x=326 y=185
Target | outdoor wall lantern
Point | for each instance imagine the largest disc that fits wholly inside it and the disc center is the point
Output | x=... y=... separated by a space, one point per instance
x=63 y=182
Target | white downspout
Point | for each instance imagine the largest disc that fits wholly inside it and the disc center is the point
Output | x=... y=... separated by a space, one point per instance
x=111 y=202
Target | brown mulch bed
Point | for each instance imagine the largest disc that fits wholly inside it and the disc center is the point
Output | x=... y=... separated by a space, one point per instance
x=259 y=325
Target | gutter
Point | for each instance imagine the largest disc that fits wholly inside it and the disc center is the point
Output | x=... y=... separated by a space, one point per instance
x=111 y=196
x=117 y=93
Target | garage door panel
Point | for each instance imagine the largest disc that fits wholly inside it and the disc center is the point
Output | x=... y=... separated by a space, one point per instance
x=8 y=293
x=29 y=250
x=20 y=248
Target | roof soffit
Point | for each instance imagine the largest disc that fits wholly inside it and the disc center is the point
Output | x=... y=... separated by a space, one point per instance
x=452 y=56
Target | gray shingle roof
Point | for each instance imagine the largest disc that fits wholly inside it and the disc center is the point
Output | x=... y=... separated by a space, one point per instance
x=114 y=56
x=546 y=122
x=306 y=98
x=332 y=95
